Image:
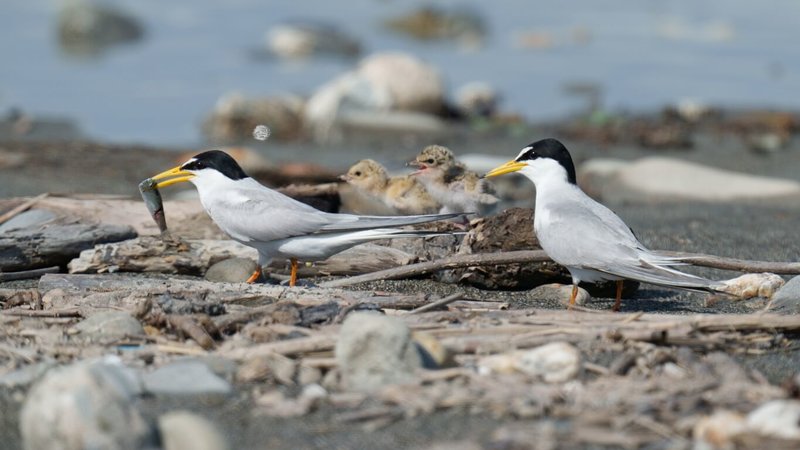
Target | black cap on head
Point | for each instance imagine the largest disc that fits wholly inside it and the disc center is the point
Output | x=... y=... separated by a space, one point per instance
x=217 y=160
x=553 y=149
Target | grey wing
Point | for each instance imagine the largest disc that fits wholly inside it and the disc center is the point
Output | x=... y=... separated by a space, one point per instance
x=588 y=235
x=268 y=215
x=596 y=238
x=351 y=222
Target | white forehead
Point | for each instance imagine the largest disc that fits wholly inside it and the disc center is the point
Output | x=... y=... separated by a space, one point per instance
x=521 y=152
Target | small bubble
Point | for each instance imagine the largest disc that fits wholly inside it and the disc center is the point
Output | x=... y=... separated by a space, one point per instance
x=261 y=132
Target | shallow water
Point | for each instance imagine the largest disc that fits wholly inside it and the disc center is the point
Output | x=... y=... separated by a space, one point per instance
x=643 y=54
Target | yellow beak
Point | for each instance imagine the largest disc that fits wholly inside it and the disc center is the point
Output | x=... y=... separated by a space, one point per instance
x=511 y=166
x=172 y=176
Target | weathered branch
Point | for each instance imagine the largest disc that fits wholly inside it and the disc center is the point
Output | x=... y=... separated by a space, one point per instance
x=527 y=256
x=738 y=265
x=451 y=262
x=54 y=245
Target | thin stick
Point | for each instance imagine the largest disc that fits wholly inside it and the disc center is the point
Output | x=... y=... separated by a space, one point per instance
x=527 y=256
x=451 y=262
x=21 y=208
x=441 y=302
x=737 y=265
x=27 y=274
x=67 y=312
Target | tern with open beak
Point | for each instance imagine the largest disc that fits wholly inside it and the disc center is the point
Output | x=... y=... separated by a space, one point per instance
x=592 y=242
x=274 y=224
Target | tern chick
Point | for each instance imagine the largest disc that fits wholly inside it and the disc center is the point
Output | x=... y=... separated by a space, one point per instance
x=403 y=194
x=592 y=242
x=274 y=224
x=451 y=184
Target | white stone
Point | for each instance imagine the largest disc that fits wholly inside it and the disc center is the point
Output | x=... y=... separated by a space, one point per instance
x=661 y=178
x=667 y=177
x=182 y=430
x=555 y=362
x=86 y=405
x=717 y=430
x=374 y=350
x=752 y=285
x=777 y=418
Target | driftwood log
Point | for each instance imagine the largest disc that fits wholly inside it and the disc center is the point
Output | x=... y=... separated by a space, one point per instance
x=54 y=245
x=522 y=256
x=194 y=257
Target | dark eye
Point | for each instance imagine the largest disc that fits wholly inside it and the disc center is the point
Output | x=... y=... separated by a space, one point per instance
x=429 y=161
x=358 y=173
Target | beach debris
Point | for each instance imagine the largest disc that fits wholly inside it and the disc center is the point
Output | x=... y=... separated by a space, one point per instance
x=387 y=90
x=190 y=377
x=300 y=40
x=85 y=405
x=428 y=24
x=477 y=99
x=88 y=28
x=235 y=116
x=750 y=285
x=374 y=350
x=556 y=362
x=109 y=326
x=787 y=299
x=54 y=244
x=231 y=270
x=776 y=418
x=184 y=430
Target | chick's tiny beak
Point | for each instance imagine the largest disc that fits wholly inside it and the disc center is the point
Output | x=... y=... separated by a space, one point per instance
x=344 y=177
x=172 y=176
x=511 y=166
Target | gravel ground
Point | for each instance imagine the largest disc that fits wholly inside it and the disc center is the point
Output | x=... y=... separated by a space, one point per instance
x=759 y=232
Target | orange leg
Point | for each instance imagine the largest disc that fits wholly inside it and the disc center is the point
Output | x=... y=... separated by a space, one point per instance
x=618 y=301
x=293 y=277
x=255 y=276
x=573 y=296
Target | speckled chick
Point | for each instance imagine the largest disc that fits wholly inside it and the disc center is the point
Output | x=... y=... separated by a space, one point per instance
x=451 y=184
x=404 y=194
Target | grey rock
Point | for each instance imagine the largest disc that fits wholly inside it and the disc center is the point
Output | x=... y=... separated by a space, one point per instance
x=84 y=406
x=374 y=350
x=787 y=299
x=302 y=40
x=26 y=375
x=186 y=377
x=109 y=325
x=555 y=362
x=28 y=219
x=182 y=430
x=234 y=118
x=777 y=418
x=392 y=91
x=86 y=28
x=55 y=245
x=659 y=178
x=751 y=285
x=233 y=270
x=477 y=99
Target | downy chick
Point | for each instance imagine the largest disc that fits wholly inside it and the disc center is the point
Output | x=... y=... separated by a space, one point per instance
x=451 y=184
x=403 y=194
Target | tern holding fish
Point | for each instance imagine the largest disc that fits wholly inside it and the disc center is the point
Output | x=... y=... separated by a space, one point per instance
x=274 y=224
